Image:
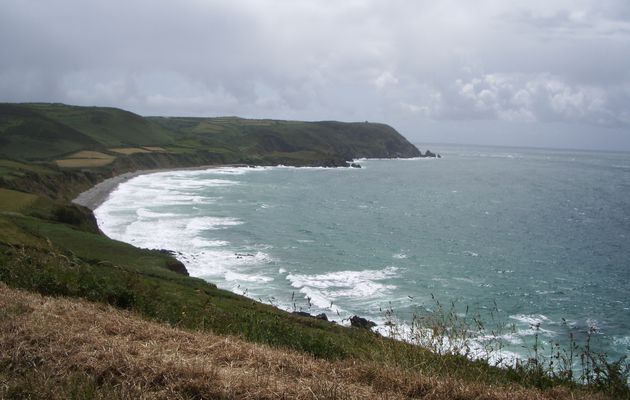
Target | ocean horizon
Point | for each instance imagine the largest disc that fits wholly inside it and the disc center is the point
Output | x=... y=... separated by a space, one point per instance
x=534 y=241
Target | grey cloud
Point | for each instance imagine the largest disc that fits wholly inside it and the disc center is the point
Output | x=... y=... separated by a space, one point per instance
x=402 y=62
x=523 y=98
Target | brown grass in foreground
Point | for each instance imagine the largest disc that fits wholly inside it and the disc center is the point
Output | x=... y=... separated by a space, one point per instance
x=63 y=348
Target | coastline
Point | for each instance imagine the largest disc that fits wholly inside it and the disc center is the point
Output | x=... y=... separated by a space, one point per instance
x=98 y=194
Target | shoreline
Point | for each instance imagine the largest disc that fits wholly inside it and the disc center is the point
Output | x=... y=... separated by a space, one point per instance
x=99 y=193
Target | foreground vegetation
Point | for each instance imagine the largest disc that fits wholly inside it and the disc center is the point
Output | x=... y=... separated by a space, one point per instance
x=145 y=329
x=56 y=348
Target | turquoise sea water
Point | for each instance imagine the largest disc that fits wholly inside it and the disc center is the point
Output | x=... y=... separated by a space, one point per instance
x=543 y=234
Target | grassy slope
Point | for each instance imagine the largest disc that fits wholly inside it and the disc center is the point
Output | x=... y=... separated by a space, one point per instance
x=40 y=131
x=59 y=348
x=306 y=141
x=29 y=135
x=52 y=247
x=108 y=126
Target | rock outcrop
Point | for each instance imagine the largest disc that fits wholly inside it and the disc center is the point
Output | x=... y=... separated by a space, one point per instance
x=362 y=323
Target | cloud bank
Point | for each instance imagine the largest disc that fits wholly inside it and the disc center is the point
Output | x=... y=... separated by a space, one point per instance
x=563 y=65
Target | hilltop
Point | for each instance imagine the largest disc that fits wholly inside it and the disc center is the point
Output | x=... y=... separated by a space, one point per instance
x=172 y=325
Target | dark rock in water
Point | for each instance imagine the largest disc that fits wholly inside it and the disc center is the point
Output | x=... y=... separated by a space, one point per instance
x=322 y=316
x=439 y=156
x=359 y=322
x=355 y=165
x=429 y=153
x=241 y=255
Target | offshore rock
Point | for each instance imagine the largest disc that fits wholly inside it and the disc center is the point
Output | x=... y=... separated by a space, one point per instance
x=429 y=153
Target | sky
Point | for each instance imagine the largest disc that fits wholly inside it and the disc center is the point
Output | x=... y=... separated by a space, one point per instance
x=541 y=73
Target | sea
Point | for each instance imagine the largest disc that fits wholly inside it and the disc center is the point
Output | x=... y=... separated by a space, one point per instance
x=531 y=245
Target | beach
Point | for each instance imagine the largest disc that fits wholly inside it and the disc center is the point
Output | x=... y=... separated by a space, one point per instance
x=98 y=194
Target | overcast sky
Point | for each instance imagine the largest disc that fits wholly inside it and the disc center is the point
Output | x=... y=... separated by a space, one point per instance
x=545 y=73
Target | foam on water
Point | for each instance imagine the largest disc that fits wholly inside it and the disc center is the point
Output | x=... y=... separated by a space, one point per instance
x=144 y=213
x=331 y=287
x=235 y=276
x=530 y=319
x=205 y=243
x=210 y=223
x=479 y=347
x=226 y=267
x=236 y=170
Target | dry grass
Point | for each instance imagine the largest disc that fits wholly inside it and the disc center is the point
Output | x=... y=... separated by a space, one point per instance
x=91 y=154
x=155 y=149
x=85 y=159
x=130 y=150
x=83 y=162
x=47 y=345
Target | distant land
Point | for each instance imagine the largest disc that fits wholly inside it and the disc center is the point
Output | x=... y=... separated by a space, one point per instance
x=122 y=297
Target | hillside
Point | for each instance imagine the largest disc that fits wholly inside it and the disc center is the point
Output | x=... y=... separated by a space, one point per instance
x=45 y=132
x=58 y=151
x=49 y=153
x=60 y=348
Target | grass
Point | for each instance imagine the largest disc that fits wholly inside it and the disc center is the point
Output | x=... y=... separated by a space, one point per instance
x=46 y=132
x=85 y=159
x=28 y=135
x=130 y=150
x=61 y=348
x=84 y=162
x=90 y=154
x=110 y=127
x=18 y=166
x=11 y=200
